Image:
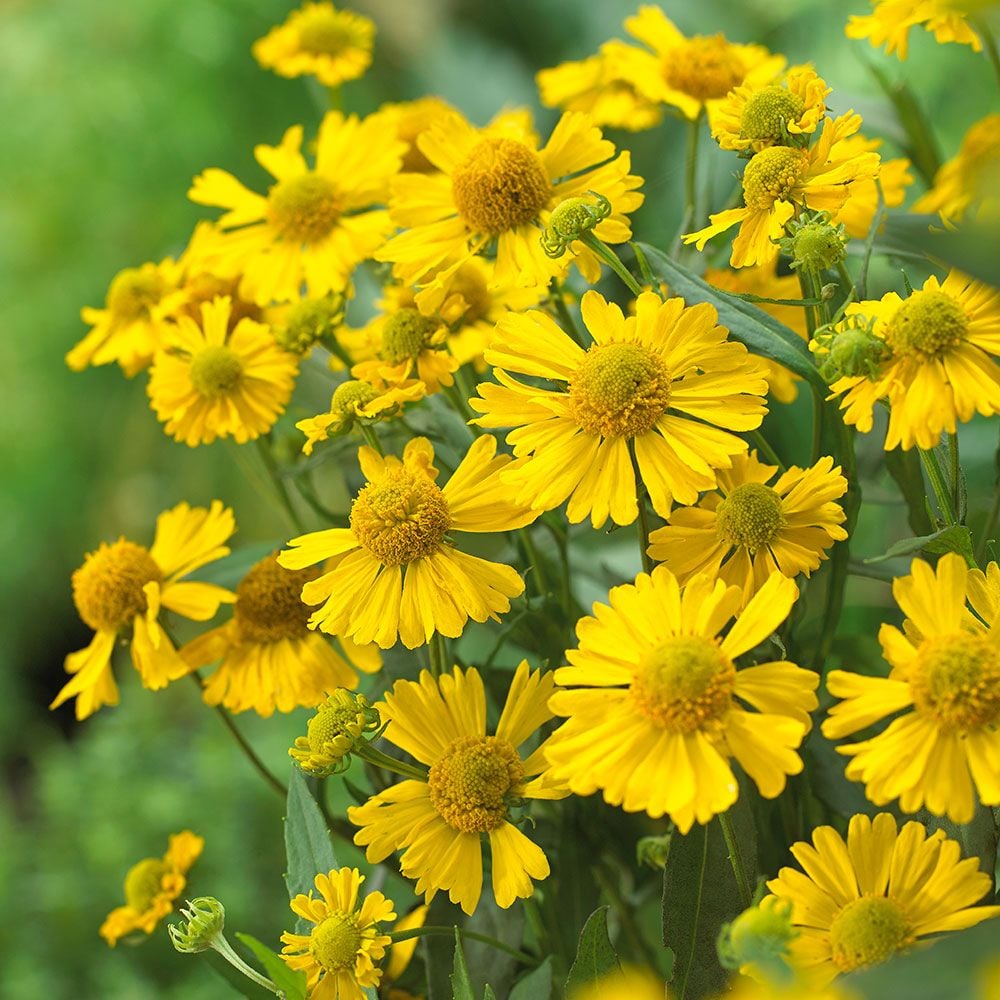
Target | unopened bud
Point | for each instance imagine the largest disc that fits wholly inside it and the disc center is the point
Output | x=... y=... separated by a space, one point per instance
x=201 y=929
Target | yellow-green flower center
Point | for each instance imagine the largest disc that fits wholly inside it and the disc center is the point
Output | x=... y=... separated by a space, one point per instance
x=684 y=684
x=334 y=727
x=335 y=941
x=473 y=781
x=705 y=67
x=573 y=216
x=868 y=931
x=400 y=518
x=955 y=679
x=768 y=111
x=308 y=321
x=324 y=32
x=817 y=246
x=144 y=882
x=349 y=394
x=303 y=209
x=750 y=517
x=772 y=174
x=107 y=588
x=405 y=334
x=501 y=185
x=927 y=325
x=619 y=390
x=133 y=292
x=216 y=370
x=268 y=602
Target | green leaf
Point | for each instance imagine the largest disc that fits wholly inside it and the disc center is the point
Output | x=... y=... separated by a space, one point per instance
x=536 y=985
x=973 y=248
x=461 y=985
x=761 y=333
x=488 y=993
x=904 y=467
x=956 y=538
x=291 y=982
x=307 y=840
x=595 y=956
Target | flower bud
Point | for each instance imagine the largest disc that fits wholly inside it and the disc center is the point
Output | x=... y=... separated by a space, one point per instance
x=202 y=926
x=852 y=351
x=756 y=942
x=572 y=219
x=310 y=321
x=339 y=726
x=653 y=851
x=815 y=244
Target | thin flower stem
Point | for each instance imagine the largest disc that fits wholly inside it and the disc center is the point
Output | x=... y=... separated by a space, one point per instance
x=935 y=475
x=690 y=181
x=439 y=655
x=457 y=399
x=605 y=253
x=625 y=914
x=371 y=437
x=644 y=269
x=954 y=470
x=989 y=44
x=225 y=949
x=267 y=457
x=641 y=494
x=764 y=447
x=263 y=485
x=430 y=930
x=990 y=525
x=736 y=860
x=467 y=392
x=373 y=756
x=565 y=316
x=531 y=550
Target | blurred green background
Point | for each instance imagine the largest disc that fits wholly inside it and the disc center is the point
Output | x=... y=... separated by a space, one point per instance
x=109 y=110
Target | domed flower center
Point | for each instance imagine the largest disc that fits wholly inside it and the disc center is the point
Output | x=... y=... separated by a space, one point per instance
x=470 y=284
x=205 y=286
x=337 y=721
x=684 y=684
x=132 y=292
x=308 y=321
x=335 y=941
x=472 y=783
x=405 y=334
x=619 y=390
x=303 y=209
x=956 y=680
x=144 y=882
x=324 y=32
x=772 y=174
x=927 y=325
x=768 y=111
x=216 y=370
x=500 y=186
x=868 y=931
x=268 y=602
x=107 y=588
x=401 y=518
x=751 y=516
x=704 y=67
x=351 y=393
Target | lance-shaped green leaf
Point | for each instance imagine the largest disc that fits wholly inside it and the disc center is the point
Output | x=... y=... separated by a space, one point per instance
x=307 y=841
x=595 y=955
x=536 y=985
x=461 y=985
x=953 y=539
x=292 y=982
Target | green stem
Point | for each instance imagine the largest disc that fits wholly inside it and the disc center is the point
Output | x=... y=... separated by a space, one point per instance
x=989 y=44
x=736 y=860
x=605 y=253
x=432 y=931
x=870 y=572
x=564 y=315
x=690 y=181
x=764 y=448
x=936 y=477
x=262 y=485
x=644 y=268
x=267 y=457
x=990 y=525
x=369 y=753
x=534 y=560
x=371 y=438
x=955 y=474
x=641 y=494
x=439 y=655
x=457 y=399
x=225 y=949
x=334 y=346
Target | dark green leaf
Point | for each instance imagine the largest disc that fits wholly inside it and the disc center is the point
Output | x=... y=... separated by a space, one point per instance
x=437 y=951
x=904 y=467
x=973 y=249
x=595 y=956
x=536 y=985
x=488 y=993
x=291 y=982
x=307 y=841
x=461 y=986
x=954 y=539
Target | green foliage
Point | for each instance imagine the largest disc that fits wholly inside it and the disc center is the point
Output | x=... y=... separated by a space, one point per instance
x=595 y=955
x=461 y=985
x=290 y=981
x=307 y=840
x=536 y=985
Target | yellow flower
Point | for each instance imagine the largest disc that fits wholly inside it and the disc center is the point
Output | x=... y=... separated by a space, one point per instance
x=336 y=730
x=861 y=902
x=339 y=954
x=891 y=20
x=781 y=179
x=945 y=679
x=943 y=340
x=745 y=530
x=623 y=984
x=123 y=586
x=755 y=117
x=211 y=382
x=660 y=711
x=136 y=315
x=893 y=176
x=665 y=381
x=394 y=573
x=269 y=657
x=151 y=886
x=410 y=120
x=313 y=225
x=970 y=177
x=495 y=186
x=600 y=87
x=473 y=782
x=318 y=40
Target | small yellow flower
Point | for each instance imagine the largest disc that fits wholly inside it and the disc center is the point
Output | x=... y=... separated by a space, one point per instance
x=893 y=176
x=411 y=119
x=891 y=20
x=151 y=886
x=318 y=40
x=628 y=983
x=338 y=727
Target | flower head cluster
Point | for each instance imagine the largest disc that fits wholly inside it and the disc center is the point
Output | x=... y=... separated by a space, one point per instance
x=338 y=727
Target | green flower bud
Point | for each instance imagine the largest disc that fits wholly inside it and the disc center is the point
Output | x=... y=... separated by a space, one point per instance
x=814 y=243
x=202 y=926
x=757 y=941
x=572 y=219
x=851 y=352
x=309 y=321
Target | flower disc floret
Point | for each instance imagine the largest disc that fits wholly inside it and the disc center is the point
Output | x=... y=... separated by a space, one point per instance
x=349 y=394
x=325 y=33
x=107 y=588
x=400 y=518
x=927 y=325
x=685 y=684
x=268 y=605
x=216 y=370
x=620 y=389
x=706 y=67
x=772 y=174
x=501 y=185
x=143 y=883
x=868 y=931
x=133 y=291
x=768 y=112
x=472 y=782
x=956 y=679
x=308 y=321
x=751 y=516
x=405 y=334
x=335 y=941
x=303 y=209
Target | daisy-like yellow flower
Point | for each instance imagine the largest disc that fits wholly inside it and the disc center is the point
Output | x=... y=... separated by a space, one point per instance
x=122 y=587
x=131 y=327
x=629 y=983
x=968 y=178
x=394 y=573
x=745 y=530
x=318 y=40
x=409 y=120
x=151 y=886
x=779 y=180
x=890 y=22
x=268 y=658
x=944 y=750
x=665 y=382
x=659 y=707
x=473 y=782
x=340 y=953
x=314 y=224
x=858 y=903
x=894 y=177
x=941 y=370
x=751 y=118
x=212 y=382
x=495 y=186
